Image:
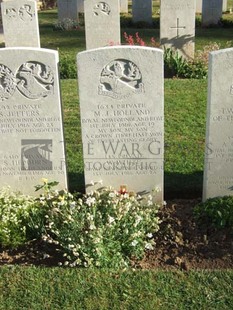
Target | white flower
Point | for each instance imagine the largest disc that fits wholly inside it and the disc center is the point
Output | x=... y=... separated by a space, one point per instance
x=90 y=201
x=149 y=235
x=112 y=195
x=134 y=242
x=72 y=204
x=164 y=203
x=111 y=219
x=149 y=246
x=138 y=220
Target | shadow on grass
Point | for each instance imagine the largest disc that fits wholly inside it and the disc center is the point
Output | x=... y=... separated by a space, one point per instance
x=76 y=182
x=183 y=186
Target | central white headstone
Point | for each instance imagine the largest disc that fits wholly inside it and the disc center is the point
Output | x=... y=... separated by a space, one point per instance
x=122 y=117
x=102 y=23
x=20 y=23
x=177 y=26
x=31 y=130
x=218 y=172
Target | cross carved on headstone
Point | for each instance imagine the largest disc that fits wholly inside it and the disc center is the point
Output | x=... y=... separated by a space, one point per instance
x=178 y=27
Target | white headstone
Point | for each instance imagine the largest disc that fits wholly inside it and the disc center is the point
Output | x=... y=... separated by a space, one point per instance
x=124 y=6
x=218 y=172
x=142 y=11
x=211 y=12
x=177 y=26
x=20 y=23
x=67 y=9
x=31 y=131
x=122 y=118
x=102 y=23
x=224 y=5
x=81 y=6
x=199 y=6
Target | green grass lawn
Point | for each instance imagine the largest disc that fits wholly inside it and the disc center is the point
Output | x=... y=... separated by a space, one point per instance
x=24 y=288
x=72 y=289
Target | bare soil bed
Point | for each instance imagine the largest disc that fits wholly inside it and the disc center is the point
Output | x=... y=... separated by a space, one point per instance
x=180 y=244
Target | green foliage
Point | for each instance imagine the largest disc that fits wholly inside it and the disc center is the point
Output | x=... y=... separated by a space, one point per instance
x=105 y=228
x=217 y=212
x=67 y=66
x=66 y=24
x=177 y=66
x=78 y=288
x=19 y=216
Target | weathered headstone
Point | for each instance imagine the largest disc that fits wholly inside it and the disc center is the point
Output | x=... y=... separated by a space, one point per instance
x=81 y=6
x=124 y=6
x=211 y=12
x=218 y=172
x=20 y=23
x=224 y=5
x=177 y=26
x=67 y=9
x=31 y=131
x=102 y=23
x=121 y=102
x=142 y=11
x=199 y=6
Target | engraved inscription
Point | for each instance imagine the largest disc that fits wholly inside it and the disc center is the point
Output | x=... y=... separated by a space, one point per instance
x=120 y=79
x=36 y=155
x=7 y=83
x=101 y=8
x=35 y=80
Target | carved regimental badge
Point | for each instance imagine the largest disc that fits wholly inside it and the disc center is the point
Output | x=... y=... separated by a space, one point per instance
x=7 y=83
x=25 y=12
x=120 y=79
x=101 y=8
x=35 y=80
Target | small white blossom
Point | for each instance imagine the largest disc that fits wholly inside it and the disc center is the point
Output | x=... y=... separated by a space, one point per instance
x=134 y=242
x=111 y=219
x=149 y=246
x=90 y=201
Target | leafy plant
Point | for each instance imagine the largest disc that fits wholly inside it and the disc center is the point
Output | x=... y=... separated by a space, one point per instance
x=18 y=215
x=66 y=24
x=106 y=228
x=217 y=212
x=67 y=67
